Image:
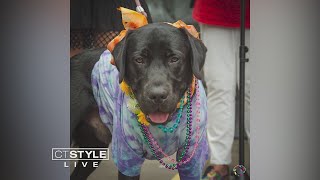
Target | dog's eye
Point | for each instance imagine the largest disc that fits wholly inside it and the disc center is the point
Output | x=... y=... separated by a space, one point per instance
x=174 y=59
x=139 y=60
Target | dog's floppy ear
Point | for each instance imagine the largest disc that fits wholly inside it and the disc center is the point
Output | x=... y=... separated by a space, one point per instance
x=198 y=54
x=119 y=54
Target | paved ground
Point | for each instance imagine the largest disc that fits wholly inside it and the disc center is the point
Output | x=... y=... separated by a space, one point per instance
x=151 y=169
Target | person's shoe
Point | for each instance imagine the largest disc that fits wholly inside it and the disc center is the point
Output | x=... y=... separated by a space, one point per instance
x=221 y=172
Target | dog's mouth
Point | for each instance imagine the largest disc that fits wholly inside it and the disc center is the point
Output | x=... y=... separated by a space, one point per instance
x=158 y=117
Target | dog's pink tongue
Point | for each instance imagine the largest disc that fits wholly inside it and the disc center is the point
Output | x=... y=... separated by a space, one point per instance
x=158 y=117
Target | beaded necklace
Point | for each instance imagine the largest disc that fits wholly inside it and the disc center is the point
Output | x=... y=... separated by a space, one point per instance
x=182 y=159
x=156 y=150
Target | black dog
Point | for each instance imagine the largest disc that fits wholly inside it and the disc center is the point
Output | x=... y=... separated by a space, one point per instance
x=157 y=61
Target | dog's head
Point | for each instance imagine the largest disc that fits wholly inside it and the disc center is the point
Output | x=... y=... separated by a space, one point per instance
x=158 y=62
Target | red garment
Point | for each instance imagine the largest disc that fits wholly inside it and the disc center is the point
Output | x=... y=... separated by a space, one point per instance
x=220 y=12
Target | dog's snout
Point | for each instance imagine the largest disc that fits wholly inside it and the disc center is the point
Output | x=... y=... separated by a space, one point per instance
x=158 y=95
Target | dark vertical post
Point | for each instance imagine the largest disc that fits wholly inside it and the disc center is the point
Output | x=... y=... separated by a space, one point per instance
x=243 y=60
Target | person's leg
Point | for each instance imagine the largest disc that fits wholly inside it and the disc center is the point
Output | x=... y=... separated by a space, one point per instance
x=220 y=76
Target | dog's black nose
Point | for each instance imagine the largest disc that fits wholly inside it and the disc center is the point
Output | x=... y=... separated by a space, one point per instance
x=158 y=95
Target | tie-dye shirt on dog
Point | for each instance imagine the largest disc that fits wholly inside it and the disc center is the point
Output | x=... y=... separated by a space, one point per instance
x=128 y=147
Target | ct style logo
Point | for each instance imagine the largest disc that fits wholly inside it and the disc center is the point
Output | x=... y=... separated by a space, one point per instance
x=239 y=170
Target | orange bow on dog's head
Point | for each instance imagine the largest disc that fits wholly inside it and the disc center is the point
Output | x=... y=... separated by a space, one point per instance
x=133 y=20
